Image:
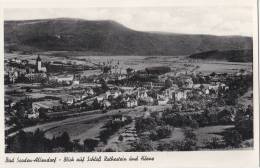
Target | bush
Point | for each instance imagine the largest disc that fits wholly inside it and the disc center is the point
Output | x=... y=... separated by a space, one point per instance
x=190 y=140
x=90 y=144
x=109 y=150
x=142 y=145
x=194 y=124
x=233 y=138
x=214 y=143
x=185 y=145
x=111 y=127
x=145 y=124
x=120 y=138
x=244 y=122
x=163 y=132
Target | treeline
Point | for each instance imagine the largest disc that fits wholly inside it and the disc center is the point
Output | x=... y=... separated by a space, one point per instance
x=229 y=55
x=237 y=87
x=36 y=142
x=157 y=127
x=112 y=126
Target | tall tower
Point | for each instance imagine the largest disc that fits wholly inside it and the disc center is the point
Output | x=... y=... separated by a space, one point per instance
x=38 y=64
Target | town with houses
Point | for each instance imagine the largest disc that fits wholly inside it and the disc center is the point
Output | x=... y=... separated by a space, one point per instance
x=42 y=92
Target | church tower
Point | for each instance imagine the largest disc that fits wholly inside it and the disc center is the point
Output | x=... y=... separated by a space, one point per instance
x=38 y=64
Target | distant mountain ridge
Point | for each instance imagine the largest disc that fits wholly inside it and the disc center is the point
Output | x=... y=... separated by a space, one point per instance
x=110 y=37
x=228 y=55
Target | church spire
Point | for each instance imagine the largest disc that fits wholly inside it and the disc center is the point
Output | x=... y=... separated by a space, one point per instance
x=38 y=58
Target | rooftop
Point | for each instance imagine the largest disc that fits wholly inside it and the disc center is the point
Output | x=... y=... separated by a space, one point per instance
x=48 y=103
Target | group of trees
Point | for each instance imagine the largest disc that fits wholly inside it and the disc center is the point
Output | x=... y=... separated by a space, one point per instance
x=206 y=118
x=36 y=142
x=112 y=126
x=160 y=132
x=189 y=143
x=238 y=86
x=244 y=122
x=155 y=128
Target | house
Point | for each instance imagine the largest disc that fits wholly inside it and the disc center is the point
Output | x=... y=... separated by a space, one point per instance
x=113 y=93
x=206 y=91
x=24 y=62
x=105 y=104
x=36 y=77
x=180 y=95
x=196 y=86
x=142 y=94
x=145 y=101
x=68 y=79
x=214 y=87
x=100 y=98
x=34 y=115
x=13 y=76
x=89 y=91
x=75 y=82
x=65 y=78
x=15 y=60
x=147 y=114
x=119 y=117
x=130 y=102
x=78 y=97
x=127 y=90
x=162 y=101
x=46 y=106
x=120 y=77
x=188 y=83
x=170 y=92
x=68 y=99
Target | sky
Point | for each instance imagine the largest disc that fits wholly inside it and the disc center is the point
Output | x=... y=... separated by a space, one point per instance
x=217 y=20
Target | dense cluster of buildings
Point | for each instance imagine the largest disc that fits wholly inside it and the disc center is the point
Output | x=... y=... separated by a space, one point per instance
x=20 y=70
x=168 y=89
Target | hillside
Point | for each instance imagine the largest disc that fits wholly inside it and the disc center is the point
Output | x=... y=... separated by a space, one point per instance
x=228 y=55
x=110 y=38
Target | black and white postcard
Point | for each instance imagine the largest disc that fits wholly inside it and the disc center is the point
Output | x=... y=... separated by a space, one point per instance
x=128 y=85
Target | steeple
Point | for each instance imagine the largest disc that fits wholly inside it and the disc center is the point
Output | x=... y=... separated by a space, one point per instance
x=38 y=67
x=38 y=58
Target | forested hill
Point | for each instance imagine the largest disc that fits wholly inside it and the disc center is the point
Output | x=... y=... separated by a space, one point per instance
x=228 y=55
x=110 y=37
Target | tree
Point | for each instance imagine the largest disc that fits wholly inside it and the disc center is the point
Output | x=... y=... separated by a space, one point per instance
x=120 y=138
x=163 y=132
x=104 y=85
x=144 y=124
x=142 y=145
x=233 y=138
x=194 y=124
x=19 y=144
x=190 y=140
x=214 y=143
x=64 y=141
x=244 y=122
x=213 y=74
x=129 y=71
x=168 y=83
x=90 y=144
